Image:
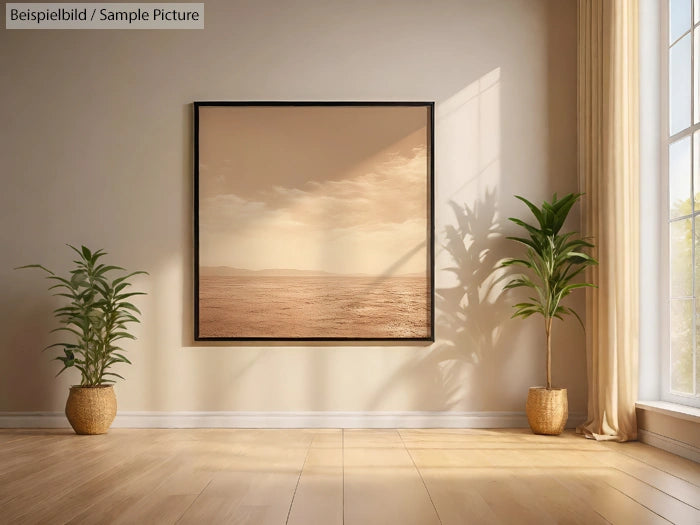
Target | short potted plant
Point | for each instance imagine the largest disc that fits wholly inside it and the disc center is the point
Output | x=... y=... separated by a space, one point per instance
x=95 y=318
x=552 y=262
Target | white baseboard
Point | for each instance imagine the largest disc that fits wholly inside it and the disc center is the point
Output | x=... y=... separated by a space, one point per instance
x=288 y=420
x=33 y=420
x=669 y=445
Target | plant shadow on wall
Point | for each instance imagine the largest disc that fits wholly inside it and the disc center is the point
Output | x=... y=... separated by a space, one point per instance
x=470 y=314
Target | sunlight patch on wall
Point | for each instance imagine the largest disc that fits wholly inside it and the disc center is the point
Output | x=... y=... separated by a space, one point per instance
x=468 y=133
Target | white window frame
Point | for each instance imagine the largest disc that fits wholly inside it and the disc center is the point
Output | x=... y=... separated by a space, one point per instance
x=665 y=358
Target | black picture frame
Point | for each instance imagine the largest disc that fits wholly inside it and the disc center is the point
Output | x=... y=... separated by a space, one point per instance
x=323 y=178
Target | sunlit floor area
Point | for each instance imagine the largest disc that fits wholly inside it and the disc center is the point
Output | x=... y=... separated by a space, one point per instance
x=329 y=477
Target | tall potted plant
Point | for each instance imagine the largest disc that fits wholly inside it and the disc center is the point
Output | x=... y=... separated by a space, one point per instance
x=95 y=319
x=551 y=263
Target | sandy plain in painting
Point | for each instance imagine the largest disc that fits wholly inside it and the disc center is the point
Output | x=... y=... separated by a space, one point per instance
x=314 y=307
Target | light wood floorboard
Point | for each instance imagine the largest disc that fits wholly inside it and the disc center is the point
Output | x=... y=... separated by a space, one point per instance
x=339 y=477
x=319 y=493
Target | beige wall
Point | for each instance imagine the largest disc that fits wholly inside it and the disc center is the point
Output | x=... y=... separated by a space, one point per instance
x=96 y=148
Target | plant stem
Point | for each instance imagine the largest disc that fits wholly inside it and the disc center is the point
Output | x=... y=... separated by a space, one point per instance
x=548 y=331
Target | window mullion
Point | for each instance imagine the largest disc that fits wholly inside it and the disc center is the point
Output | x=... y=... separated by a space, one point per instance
x=679 y=38
x=683 y=133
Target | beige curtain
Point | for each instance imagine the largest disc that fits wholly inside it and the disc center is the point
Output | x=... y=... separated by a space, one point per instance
x=608 y=136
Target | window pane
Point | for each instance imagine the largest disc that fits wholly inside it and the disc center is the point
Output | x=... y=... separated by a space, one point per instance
x=679 y=178
x=678 y=18
x=679 y=85
x=681 y=261
x=696 y=236
x=682 y=345
x=696 y=168
x=696 y=16
x=696 y=75
x=697 y=355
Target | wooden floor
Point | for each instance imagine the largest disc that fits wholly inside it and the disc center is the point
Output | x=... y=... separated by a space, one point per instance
x=328 y=477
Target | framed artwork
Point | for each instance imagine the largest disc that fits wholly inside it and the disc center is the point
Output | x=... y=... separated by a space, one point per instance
x=313 y=221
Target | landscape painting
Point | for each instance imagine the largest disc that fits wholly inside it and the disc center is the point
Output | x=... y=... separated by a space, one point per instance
x=314 y=221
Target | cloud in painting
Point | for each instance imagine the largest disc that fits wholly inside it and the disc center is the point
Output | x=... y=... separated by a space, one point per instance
x=361 y=223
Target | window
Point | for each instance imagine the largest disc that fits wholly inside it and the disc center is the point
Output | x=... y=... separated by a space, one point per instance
x=682 y=141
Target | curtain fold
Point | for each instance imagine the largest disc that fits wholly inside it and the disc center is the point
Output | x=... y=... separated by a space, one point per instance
x=608 y=150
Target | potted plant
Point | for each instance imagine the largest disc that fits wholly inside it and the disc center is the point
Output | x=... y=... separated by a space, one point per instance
x=552 y=261
x=95 y=318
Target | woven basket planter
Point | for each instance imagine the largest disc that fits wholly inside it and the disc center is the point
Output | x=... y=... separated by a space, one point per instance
x=547 y=410
x=91 y=409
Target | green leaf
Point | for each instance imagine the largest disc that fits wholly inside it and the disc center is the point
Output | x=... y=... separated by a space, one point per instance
x=531 y=229
x=524 y=315
x=122 y=358
x=126 y=318
x=519 y=262
x=102 y=269
x=34 y=266
x=120 y=335
x=86 y=253
x=61 y=285
x=525 y=305
x=129 y=306
x=536 y=246
x=66 y=345
x=80 y=254
x=96 y=255
x=125 y=295
x=534 y=209
x=113 y=375
x=67 y=329
x=570 y=311
x=61 y=371
x=565 y=290
x=518 y=282
x=125 y=277
x=61 y=280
